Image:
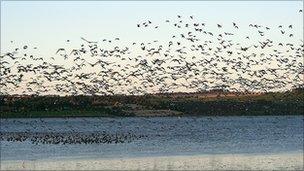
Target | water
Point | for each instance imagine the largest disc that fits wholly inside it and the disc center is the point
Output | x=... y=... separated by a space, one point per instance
x=164 y=136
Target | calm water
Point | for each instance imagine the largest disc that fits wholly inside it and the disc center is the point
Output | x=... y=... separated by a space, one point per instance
x=163 y=136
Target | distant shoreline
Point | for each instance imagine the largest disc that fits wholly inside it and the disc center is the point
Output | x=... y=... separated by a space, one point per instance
x=178 y=104
x=46 y=115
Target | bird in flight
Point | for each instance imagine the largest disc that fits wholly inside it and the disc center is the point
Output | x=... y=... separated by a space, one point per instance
x=87 y=40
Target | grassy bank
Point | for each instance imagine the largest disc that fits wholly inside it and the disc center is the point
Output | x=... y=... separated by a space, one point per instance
x=285 y=103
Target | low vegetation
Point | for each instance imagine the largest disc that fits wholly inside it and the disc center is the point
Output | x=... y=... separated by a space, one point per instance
x=182 y=104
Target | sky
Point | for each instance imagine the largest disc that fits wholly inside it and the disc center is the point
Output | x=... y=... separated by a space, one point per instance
x=48 y=25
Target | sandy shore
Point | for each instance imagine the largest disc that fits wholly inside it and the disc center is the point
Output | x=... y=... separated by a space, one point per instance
x=202 y=162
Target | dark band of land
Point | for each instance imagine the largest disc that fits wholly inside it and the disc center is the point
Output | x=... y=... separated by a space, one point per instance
x=212 y=103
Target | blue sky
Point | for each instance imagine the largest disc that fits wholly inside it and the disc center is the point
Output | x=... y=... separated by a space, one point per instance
x=47 y=24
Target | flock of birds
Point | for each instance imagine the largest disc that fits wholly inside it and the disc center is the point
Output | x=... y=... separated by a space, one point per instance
x=194 y=59
x=40 y=131
x=68 y=138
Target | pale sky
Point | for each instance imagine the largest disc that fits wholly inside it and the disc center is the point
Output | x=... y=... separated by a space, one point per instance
x=48 y=24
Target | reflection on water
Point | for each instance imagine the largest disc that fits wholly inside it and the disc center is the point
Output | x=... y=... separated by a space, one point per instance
x=158 y=136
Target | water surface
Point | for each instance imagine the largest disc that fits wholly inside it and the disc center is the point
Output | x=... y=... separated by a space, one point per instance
x=164 y=136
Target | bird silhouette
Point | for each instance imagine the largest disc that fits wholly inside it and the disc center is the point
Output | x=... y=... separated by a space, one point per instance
x=195 y=57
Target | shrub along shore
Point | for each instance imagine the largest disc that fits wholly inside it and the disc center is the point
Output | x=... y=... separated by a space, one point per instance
x=175 y=104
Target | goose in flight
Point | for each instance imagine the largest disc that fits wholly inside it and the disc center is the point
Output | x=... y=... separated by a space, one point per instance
x=87 y=40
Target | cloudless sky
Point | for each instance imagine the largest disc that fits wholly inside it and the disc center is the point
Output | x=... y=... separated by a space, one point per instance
x=48 y=24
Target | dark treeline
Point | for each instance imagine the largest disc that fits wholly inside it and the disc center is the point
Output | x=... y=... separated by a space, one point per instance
x=283 y=103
